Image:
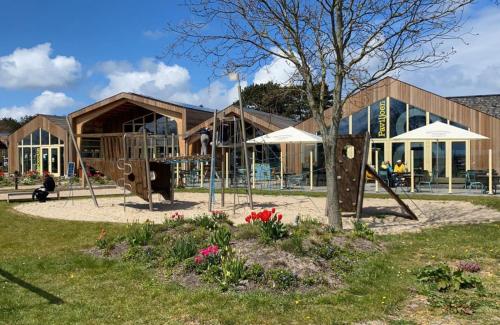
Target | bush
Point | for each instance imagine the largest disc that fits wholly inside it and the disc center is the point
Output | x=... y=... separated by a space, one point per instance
x=281 y=279
x=270 y=224
x=361 y=230
x=220 y=237
x=442 y=278
x=182 y=248
x=139 y=234
x=255 y=272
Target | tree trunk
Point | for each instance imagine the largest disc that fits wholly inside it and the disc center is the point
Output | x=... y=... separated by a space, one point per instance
x=332 y=198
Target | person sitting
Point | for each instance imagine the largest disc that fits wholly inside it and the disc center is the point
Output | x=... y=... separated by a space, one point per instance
x=41 y=193
x=399 y=168
x=386 y=165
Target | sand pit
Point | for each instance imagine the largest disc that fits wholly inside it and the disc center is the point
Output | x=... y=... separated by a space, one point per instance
x=432 y=214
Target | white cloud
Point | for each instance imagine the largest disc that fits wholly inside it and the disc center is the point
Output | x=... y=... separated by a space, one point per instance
x=153 y=34
x=47 y=102
x=167 y=82
x=35 y=68
x=279 y=71
x=475 y=68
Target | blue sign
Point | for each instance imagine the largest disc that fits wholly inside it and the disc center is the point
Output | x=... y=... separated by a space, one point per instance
x=71 y=169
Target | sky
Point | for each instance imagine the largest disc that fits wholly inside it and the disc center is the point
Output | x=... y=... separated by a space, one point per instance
x=60 y=55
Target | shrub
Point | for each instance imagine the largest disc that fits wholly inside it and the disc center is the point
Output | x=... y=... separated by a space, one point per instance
x=361 y=230
x=220 y=237
x=281 y=279
x=232 y=270
x=255 y=272
x=270 y=224
x=442 y=278
x=471 y=267
x=182 y=248
x=140 y=234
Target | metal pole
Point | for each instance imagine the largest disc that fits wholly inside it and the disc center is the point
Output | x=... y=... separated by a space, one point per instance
x=84 y=170
x=412 y=171
x=227 y=169
x=311 y=169
x=244 y=139
x=490 y=172
x=376 y=169
x=211 y=192
x=148 y=175
x=253 y=169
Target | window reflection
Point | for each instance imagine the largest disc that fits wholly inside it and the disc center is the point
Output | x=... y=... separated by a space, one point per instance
x=398 y=117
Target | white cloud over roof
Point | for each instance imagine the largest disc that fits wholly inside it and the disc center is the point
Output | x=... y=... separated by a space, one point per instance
x=47 y=102
x=36 y=68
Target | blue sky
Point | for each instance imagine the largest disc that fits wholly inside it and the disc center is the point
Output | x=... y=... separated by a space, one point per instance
x=71 y=53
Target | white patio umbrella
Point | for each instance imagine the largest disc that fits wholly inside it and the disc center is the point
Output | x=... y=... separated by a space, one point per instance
x=439 y=131
x=288 y=135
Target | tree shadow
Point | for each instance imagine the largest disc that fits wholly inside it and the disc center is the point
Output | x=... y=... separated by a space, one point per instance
x=42 y=293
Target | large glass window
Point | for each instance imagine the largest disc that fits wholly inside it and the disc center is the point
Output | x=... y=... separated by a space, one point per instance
x=436 y=118
x=398 y=117
x=398 y=152
x=39 y=152
x=378 y=119
x=380 y=148
x=439 y=159
x=458 y=125
x=344 y=126
x=360 y=122
x=458 y=159
x=417 y=118
x=418 y=155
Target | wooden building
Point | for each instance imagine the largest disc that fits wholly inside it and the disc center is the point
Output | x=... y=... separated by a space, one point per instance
x=392 y=107
x=39 y=146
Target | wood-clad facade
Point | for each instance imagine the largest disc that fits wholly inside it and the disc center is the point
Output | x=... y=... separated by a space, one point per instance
x=391 y=91
x=38 y=146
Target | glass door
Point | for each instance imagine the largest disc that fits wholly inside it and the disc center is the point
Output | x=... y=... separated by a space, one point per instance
x=54 y=160
x=45 y=160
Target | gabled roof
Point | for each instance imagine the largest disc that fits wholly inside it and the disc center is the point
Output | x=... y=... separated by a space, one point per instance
x=270 y=122
x=489 y=104
x=136 y=98
x=56 y=119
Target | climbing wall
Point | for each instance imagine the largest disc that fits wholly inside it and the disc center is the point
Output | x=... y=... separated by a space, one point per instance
x=350 y=174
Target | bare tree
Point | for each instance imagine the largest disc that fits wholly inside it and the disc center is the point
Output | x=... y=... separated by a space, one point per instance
x=341 y=45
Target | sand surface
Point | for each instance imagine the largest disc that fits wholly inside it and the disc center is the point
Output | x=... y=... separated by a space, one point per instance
x=430 y=213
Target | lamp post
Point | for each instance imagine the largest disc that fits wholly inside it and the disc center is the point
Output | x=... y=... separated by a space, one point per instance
x=234 y=76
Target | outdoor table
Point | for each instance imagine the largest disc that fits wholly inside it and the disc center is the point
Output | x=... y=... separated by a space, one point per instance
x=485 y=179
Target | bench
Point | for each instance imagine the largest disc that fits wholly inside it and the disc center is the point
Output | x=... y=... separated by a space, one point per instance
x=24 y=193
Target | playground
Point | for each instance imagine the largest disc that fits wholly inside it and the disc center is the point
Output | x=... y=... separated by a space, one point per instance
x=380 y=214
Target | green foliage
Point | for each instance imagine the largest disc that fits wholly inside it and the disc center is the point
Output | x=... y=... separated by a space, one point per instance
x=343 y=261
x=247 y=231
x=281 y=279
x=442 y=278
x=5 y=181
x=206 y=221
x=221 y=236
x=104 y=241
x=325 y=250
x=143 y=255
x=313 y=280
x=221 y=217
x=182 y=248
x=139 y=234
x=255 y=272
x=361 y=230
x=232 y=270
x=294 y=244
x=456 y=302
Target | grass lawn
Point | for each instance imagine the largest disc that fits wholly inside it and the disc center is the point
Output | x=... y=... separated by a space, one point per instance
x=46 y=279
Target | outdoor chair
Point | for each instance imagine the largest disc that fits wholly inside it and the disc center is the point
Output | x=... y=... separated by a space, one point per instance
x=296 y=181
x=384 y=175
x=427 y=180
x=471 y=182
